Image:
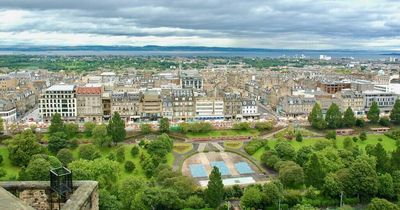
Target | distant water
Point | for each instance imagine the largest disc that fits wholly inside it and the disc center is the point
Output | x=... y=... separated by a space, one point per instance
x=358 y=55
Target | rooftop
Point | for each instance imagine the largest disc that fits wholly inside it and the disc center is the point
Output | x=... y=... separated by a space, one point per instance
x=61 y=87
x=88 y=90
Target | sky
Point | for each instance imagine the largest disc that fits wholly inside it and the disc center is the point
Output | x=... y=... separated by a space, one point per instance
x=278 y=24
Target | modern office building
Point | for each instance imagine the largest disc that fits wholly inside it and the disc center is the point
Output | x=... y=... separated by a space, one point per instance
x=209 y=109
x=58 y=99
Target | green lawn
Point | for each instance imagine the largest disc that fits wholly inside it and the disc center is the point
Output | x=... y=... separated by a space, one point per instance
x=388 y=143
x=182 y=148
x=218 y=133
x=233 y=144
x=12 y=171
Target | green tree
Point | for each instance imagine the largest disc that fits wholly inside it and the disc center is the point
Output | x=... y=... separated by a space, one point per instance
x=316 y=117
x=330 y=135
x=100 y=136
x=195 y=202
x=1 y=159
x=129 y=166
x=285 y=150
x=88 y=152
x=116 y=128
x=291 y=174
x=380 y=204
x=363 y=136
x=349 y=120
x=22 y=147
x=263 y=126
x=332 y=186
x=120 y=154
x=57 y=141
x=108 y=201
x=373 y=113
x=384 y=121
x=65 y=156
x=1 y=125
x=360 y=122
x=129 y=188
x=303 y=155
x=242 y=126
x=395 y=160
x=135 y=151
x=348 y=143
x=71 y=130
x=214 y=194
x=3 y=172
x=272 y=193
x=252 y=198
x=333 y=116
x=382 y=158
x=56 y=124
x=164 y=125
x=88 y=128
x=299 y=137
x=395 y=114
x=314 y=173
x=39 y=167
x=386 y=187
x=145 y=128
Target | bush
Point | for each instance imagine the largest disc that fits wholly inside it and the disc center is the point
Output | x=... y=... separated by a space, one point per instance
x=360 y=122
x=355 y=139
x=88 y=152
x=263 y=126
x=65 y=156
x=242 y=126
x=384 y=121
x=135 y=151
x=1 y=158
x=253 y=146
x=330 y=135
x=145 y=128
x=129 y=166
x=363 y=136
x=120 y=154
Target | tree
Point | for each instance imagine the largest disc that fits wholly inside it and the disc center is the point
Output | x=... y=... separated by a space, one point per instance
x=299 y=137
x=395 y=160
x=384 y=121
x=65 y=156
x=285 y=150
x=135 y=151
x=39 y=167
x=242 y=126
x=88 y=128
x=386 y=188
x=57 y=141
x=116 y=128
x=373 y=113
x=195 y=202
x=291 y=174
x=108 y=201
x=145 y=128
x=1 y=159
x=252 y=198
x=70 y=130
x=214 y=194
x=333 y=116
x=120 y=154
x=382 y=158
x=263 y=126
x=314 y=173
x=379 y=204
x=56 y=124
x=360 y=122
x=129 y=189
x=3 y=172
x=161 y=146
x=363 y=136
x=88 y=152
x=348 y=118
x=22 y=147
x=272 y=193
x=316 y=117
x=303 y=155
x=330 y=135
x=164 y=125
x=100 y=136
x=129 y=166
x=331 y=187
x=395 y=114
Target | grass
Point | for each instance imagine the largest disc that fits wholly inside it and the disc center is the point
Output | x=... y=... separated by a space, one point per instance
x=182 y=148
x=12 y=171
x=233 y=144
x=387 y=143
x=218 y=133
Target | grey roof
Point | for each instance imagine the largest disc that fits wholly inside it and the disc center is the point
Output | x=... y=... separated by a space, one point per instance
x=61 y=88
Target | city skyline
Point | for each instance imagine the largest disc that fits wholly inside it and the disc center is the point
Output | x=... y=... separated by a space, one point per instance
x=364 y=25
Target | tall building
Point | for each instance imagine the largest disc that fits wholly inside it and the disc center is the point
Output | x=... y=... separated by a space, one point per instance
x=58 y=99
x=89 y=104
x=183 y=104
x=385 y=100
x=191 y=79
x=233 y=105
x=127 y=104
x=151 y=105
x=209 y=109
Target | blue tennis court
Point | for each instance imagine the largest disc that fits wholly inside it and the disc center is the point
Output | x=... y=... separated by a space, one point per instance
x=223 y=169
x=197 y=170
x=243 y=168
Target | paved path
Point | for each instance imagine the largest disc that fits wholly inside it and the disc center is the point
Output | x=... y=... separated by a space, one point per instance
x=201 y=147
x=268 y=135
x=218 y=146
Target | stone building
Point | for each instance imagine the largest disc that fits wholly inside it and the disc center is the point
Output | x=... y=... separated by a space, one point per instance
x=89 y=104
x=249 y=109
x=127 y=104
x=232 y=105
x=332 y=87
x=293 y=106
x=191 y=79
x=183 y=104
x=7 y=83
x=352 y=99
x=8 y=111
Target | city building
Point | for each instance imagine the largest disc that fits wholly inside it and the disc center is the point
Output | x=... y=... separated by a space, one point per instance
x=191 y=79
x=167 y=107
x=233 y=105
x=385 y=100
x=89 y=105
x=352 y=99
x=8 y=111
x=58 y=99
x=293 y=106
x=127 y=104
x=183 y=104
x=209 y=109
x=249 y=109
x=7 y=83
x=151 y=105
x=332 y=87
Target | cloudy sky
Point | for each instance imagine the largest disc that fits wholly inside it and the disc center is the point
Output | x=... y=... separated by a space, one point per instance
x=301 y=24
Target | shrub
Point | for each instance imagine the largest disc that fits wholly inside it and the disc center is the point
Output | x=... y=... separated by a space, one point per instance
x=355 y=139
x=1 y=158
x=65 y=156
x=330 y=135
x=88 y=152
x=129 y=166
x=241 y=126
x=120 y=154
x=253 y=146
x=360 y=122
x=363 y=136
x=384 y=121
x=263 y=126
x=135 y=151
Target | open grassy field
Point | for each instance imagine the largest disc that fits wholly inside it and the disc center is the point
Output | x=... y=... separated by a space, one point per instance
x=388 y=143
x=217 y=133
x=12 y=171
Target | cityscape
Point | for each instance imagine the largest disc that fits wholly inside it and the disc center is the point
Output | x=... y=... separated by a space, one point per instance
x=142 y=106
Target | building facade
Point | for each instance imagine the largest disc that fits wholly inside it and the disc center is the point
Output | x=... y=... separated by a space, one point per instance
x=89 y=104
x=209 y=109
x=232 y=105
x=127 y=104
x=183 y=104
x=58 y=99
x=385 y=100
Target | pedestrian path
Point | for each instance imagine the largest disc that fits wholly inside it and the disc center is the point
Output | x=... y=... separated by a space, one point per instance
x=218 y=146
x=201 y=147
